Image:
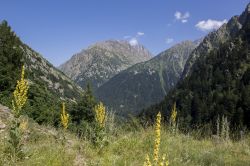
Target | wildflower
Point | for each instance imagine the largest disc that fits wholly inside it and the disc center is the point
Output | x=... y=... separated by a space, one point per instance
x=173 y=115
x=156 y=160
x=157 y=137
x=100 y=114
x=64 y=117
x=147 y=161
x=20 y=94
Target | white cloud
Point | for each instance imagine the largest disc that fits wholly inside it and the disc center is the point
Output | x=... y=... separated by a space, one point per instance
x=177 y=15
x=140 y=33
x=169 y=40
x=133 y=41
x=209 y=24
x=183 y=17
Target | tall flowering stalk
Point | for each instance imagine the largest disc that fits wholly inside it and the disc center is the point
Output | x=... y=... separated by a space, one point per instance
x=147 y=161
x=100 y=114
x=18 y=127
x=20 y=94
x=156 y=160
x=157 y=137
x=173 y=113
x=173 y=117
x=64 y=117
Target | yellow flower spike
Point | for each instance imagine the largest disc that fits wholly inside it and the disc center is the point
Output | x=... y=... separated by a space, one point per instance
x=147 y=161
x=20 y=94
x=157 y=137
x=64 y=117
x=173 y=114
x=100 y=114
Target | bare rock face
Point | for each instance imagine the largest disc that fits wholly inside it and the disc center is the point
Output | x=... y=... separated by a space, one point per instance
x=101 y=61
x=41 y=71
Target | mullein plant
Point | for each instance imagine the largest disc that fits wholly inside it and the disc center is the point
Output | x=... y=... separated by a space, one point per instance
x=100 y=118
x=173 y=123
x=156 y=159
x=64 y=117
x=64 y=122
x=18 y=126
x=20 y=95
x=100 y=114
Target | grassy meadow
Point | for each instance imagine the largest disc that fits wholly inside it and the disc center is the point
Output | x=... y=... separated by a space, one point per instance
x=43 y=145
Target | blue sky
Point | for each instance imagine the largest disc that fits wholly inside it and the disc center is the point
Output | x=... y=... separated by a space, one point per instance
x=59 y=28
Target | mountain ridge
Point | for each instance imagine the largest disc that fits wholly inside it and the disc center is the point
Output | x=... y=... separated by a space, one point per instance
x=102 y=60
x=147 y=82
x=215 y=38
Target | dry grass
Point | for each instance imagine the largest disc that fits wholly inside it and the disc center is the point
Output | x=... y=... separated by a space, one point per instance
x=44 y=147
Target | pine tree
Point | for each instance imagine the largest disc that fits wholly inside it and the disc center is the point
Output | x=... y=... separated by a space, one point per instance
x=83 y=110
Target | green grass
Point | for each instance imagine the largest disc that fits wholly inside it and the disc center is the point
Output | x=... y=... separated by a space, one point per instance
x=44 y=147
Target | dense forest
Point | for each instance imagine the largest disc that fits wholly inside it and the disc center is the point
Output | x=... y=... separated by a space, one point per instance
x=219 y=85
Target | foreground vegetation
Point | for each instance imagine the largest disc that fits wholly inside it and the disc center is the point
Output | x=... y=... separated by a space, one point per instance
x=43 y=146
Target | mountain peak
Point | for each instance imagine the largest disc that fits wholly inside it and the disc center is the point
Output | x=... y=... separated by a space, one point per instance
x=244 y=15
x=102 y=60
x=145 y=83
x=248 y=8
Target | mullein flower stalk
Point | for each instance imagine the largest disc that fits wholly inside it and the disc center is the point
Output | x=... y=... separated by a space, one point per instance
x=156 y=161
x=173 y=123
x=64 y=117
x=18 y=127
x=20 y=94
x=100 y=114
x=147 y=161
x=157 y=137
x=173 y=115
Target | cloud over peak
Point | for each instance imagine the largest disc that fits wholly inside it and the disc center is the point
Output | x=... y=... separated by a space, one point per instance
x=209 y=25
x=133 y=42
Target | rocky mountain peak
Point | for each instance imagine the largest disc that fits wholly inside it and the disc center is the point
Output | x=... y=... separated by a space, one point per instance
x=145 y=83
x=243 y=17
x=215 y=38
x=102 y=60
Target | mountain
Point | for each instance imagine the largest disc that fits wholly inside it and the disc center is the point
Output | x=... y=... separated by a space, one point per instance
x=145 y=83
x=217 y=84
x=101 y=61
x=214 y=39
x=48 y=85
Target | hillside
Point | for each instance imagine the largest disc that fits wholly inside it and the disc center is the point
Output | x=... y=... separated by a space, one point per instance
x=145 y=83
x=48 y=85
x=218 y=85
x=101 y=61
